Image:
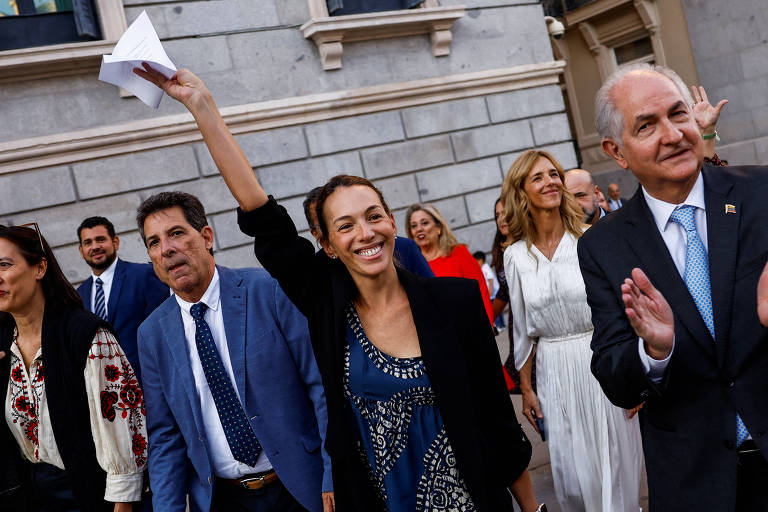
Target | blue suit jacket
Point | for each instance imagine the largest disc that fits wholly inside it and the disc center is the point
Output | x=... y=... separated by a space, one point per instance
x=409 y=256
x=277 y=380
x=136 y=292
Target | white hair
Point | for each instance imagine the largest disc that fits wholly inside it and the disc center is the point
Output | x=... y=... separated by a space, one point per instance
x=609 y=120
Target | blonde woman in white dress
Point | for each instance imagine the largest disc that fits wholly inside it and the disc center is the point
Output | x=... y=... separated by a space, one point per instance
x=595 y=448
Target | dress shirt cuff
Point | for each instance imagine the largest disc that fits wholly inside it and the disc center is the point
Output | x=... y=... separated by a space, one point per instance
x=654 y=368
x=124 y=488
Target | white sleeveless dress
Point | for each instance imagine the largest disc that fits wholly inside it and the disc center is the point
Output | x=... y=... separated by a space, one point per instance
x=595 y=451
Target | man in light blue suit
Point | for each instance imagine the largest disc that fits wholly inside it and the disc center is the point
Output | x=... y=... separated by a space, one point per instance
x=236 y=412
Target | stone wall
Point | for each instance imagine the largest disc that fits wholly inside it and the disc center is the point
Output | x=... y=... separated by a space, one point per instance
x=450 y=152
x=730 y=45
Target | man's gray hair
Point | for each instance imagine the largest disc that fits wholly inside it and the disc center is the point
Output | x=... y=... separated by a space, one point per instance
x=609 y=120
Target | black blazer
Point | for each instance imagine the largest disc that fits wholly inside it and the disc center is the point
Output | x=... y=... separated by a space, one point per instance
x=458 y=350
x=689 y=421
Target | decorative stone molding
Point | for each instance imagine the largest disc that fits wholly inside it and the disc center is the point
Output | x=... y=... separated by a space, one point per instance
x=591 y=10
x=106 y=141
x=50 y=61
x=330 y=32
x=649 y=13
x=603 y=55
x=66 y=59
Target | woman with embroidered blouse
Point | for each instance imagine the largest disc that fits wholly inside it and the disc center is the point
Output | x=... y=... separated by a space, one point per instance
x=74 y=436
x=418 y=415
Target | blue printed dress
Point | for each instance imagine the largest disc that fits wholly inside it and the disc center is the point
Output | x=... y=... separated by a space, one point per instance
x=402 y=436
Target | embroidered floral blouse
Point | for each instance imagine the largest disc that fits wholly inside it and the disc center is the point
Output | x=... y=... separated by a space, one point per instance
x=117 y=415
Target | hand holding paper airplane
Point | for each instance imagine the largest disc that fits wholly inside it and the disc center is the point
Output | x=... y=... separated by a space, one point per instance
x=138 y=44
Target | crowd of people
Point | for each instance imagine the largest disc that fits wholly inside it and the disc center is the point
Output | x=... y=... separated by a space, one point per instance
x=365 y=376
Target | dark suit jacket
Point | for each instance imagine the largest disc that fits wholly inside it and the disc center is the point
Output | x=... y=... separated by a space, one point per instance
x=136 y=292
x=277 y=381
x=408 y=254
x=457 y=346
x=689 y=421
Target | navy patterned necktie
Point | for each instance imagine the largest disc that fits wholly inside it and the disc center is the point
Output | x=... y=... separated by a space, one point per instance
x=100 y=306
x=696 y=278
x=238 y=431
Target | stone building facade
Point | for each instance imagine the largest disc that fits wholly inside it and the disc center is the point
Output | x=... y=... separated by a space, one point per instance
x=720 y=45
x=442 y=129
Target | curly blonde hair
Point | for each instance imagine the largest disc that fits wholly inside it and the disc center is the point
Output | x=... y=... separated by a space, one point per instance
x=446 y=240
x=516 y=203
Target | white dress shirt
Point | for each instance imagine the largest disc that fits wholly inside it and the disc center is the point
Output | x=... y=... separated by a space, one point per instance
x=106 y=278
x=676 y=241
x=224 y=464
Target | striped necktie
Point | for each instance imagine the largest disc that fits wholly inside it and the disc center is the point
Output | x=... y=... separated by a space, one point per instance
x=100 y=305
x=696 y=278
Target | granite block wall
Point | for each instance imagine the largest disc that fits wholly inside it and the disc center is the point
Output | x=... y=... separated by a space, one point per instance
x=730 y=46
x=460 y=170
x=452 y=153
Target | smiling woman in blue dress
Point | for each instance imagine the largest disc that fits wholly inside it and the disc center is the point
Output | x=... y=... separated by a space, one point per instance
x=418 y=414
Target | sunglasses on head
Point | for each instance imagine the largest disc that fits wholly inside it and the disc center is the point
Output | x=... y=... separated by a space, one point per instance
x=29 y=225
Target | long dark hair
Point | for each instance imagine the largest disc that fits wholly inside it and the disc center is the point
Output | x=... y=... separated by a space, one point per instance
x=33 y=247
x=497 y=250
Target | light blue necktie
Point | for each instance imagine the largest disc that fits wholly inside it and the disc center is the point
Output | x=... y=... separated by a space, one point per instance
x=696 y=278
x=100 y=306
x=238 y=431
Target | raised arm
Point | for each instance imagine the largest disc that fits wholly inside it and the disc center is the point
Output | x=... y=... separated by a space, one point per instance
x=706 y=117
x=232 y=163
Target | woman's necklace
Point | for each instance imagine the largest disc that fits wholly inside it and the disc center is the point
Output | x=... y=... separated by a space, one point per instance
x=551 y=246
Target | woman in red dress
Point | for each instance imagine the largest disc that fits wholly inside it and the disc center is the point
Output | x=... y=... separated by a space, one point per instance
x=446 y=256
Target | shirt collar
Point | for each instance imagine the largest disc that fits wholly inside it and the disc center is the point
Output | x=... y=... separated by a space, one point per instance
x=662 y=210
x=211 y=297
x=108 y=274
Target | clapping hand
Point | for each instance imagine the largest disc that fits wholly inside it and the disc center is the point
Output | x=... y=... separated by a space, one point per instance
x=704 y=113
x=762 y=297
x=183 y=86
x=649 y=314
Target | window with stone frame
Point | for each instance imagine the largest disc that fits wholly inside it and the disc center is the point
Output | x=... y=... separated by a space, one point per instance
x=29 y=23
x=331 y=25
x=96 y=25
x=344 y=7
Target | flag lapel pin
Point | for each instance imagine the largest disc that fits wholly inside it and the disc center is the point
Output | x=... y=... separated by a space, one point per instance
x=729 y=208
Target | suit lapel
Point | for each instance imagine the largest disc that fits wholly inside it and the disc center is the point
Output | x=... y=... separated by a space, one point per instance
x=722 y=241
x=86 y=294
x=646 y=242
x=173 y=335
x=114 y=291
x=233 y=304
x=430 y=327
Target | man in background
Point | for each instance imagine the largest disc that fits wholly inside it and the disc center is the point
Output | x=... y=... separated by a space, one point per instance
x=120 y=292
x=615 y=201
x=582 y=185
